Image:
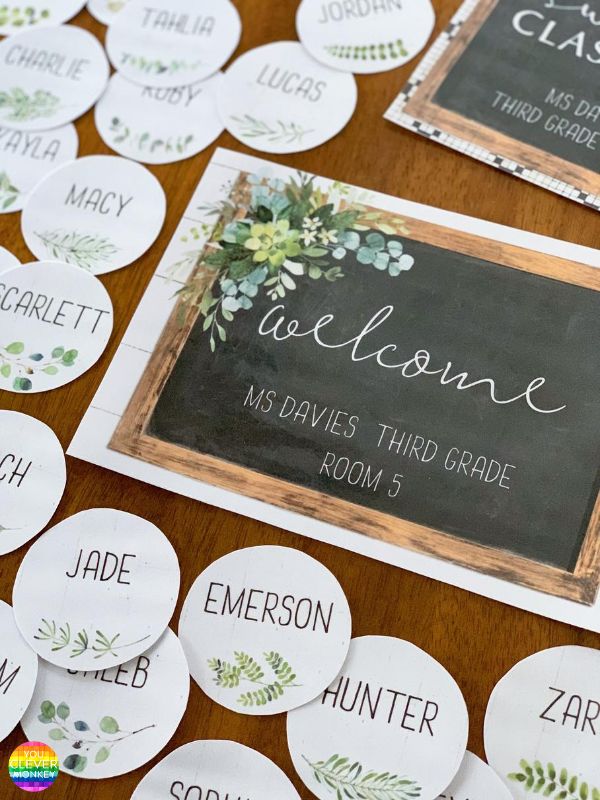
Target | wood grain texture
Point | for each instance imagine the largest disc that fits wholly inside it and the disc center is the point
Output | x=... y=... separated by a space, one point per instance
x=476 y=639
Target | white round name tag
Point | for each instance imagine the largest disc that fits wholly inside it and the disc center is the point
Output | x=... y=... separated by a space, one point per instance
x=28 y=156
x=49 y=77
x=475 y=781
x=265 y=629
x=19 y=672
x=110 y=584
x=99 y=213
x=55 y=322
x=159 y=125
x=16 y=17
x=111 y=719
x=364 y=35
x=215 y=770
x=33 y=475
x=106 y=11
x=174 y=43
x=7 y=260
x=393 y=723
x=278 y=99
x=542 y=723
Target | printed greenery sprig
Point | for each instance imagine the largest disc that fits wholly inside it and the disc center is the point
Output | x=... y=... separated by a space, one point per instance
x=230 y=675
x=253 y=128
x=189 y=258
x=547 y=781
x=82 y=737
x=60 y=637
x=156 y=66
x=273 y=235
x=350 y=781
x=19 y=16
x=23 y=369
x=22 y=106
x=369 y=52
x=86 y=250
x=146 y=142
x=8 y=191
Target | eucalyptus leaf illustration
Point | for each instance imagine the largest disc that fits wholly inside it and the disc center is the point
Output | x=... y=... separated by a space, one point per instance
x=369 y=52
x=244 y=668
x=86 y=250
x=9 y=193
x=348 y=780
x=61 y=637
x=548 y=781
x=89 y=741
x=146 y=142
x=22 y=368
x=277 y=235
x=22 y=15
x=253 y=128
x=21 y=106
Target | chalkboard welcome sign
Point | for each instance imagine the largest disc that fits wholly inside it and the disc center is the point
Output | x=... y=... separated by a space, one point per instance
x=520 y=80
x=421 y=385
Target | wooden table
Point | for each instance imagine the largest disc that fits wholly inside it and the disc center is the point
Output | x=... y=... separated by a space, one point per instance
x=476 y=639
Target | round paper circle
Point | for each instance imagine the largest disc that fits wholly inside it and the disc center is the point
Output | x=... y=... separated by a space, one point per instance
x=99 y=213
x=49 y=76
x=475 y=781
x=19 y=672
x=32 y=477
x=7 y=260
x=265 y=629
x=213 y=770
x=392 y=720
x=364 y=35
x=173 y=44
x=25 y=158
x=55 y=321
x=16 y=17
x=278 y=99
x=542 y=721
x=159 y=125
x=111 y=720
x=96 y=590
x=106 y=11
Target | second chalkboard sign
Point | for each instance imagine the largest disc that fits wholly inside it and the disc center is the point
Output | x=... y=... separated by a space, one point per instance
x=515 y=83
x=417 y=384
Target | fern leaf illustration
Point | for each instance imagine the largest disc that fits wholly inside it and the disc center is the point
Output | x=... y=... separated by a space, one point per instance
x=262 y=696
x=368 y=52
x=281 y=668
x=227 y=675
x=550 y=782
x=85 y=250
x=249 y=667
x=350 y=781
x=253 y=128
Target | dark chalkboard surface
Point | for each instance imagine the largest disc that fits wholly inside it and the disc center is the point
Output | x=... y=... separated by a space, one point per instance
x=541 y=57
x=488 y=319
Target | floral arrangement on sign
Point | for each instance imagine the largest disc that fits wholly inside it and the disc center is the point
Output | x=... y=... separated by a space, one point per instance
x=273 y=235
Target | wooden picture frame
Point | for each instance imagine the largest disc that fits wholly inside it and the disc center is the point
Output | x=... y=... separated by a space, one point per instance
x=421 y=106
x=131 y=437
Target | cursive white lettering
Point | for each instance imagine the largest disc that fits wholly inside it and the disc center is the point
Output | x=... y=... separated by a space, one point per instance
x=280 y=330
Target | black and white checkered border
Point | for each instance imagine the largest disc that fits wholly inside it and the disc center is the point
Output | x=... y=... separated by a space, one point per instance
x=395 y=113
